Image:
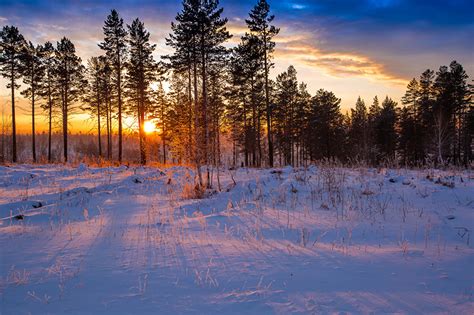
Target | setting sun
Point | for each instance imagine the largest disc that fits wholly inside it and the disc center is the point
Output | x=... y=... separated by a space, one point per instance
x=149 y=127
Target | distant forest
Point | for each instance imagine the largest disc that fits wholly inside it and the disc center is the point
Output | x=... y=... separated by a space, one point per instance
x=219 y=95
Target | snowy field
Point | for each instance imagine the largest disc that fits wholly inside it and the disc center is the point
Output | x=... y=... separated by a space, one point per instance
x=320 y=240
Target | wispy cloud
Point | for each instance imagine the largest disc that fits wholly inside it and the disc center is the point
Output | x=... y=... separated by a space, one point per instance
x=298 y=6
x=337 y=64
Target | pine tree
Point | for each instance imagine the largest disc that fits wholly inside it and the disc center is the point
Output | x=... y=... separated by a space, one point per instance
x=70 y=76
x=358 y=133
x=185 y=61
x=115 y=46
x=406 y=140
x=426 y=99
x=211 y=34
x=443 y=111
x=237 y=105
x=12 y=48
x=141 y=72
x=181 y=115
x=326 y=126
x=411 y=128
x=301 y=123
x=93 y=96
x=385 y=131
x=461 y=99
x=197 y=38
x=218 y=84
x=162 y=112
x=246 y=92
x=285 y=112
x=48 y=89
x=33 y=71
x=469 y=128
x=373 y=118
x=259 y=25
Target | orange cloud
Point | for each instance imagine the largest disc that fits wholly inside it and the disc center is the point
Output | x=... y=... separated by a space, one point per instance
x=337 y=64
x=296 y=48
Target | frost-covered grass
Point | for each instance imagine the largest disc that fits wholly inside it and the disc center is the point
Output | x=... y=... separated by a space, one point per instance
x=316 y=240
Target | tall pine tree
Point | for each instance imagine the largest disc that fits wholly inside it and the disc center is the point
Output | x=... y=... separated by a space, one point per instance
x=115 y=46
x=12 y=49
x=49 y=89
x=259 y=25
x=70 y=76
x=141 y=72
x=33 y=71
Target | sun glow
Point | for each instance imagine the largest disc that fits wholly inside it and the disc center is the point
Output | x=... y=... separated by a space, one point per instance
x=149 y=127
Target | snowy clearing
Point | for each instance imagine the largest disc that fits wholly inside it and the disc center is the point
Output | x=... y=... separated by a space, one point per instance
x=318 y=240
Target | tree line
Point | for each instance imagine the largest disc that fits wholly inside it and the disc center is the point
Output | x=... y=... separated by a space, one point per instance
x=218 y=94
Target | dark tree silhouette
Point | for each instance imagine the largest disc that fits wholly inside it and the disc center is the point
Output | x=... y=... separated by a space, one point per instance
x=259 y=24
x=115 y=46
x=70 y=76
x=12 y=49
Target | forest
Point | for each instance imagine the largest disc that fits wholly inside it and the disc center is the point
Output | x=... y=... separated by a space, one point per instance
x=205 y=95
x=178 y=172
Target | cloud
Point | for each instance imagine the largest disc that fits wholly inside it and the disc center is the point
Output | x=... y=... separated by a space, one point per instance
x=298 y=6
x=299 y=47
x=303 y=49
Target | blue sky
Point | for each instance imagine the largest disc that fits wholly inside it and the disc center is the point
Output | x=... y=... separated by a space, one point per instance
x=352 y=47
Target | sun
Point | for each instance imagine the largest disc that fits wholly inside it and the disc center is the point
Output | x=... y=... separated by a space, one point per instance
x=149 y=127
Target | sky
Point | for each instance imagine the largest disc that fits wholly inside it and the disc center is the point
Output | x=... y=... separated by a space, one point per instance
x=351 y=47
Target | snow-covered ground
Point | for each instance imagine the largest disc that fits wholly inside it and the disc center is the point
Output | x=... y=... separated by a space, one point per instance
x=124 y=240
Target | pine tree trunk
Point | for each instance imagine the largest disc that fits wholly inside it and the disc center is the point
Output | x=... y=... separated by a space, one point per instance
x=107 y=118
x=259 y=139
x=267 y=103
x=141 y=122
x=14 y=156
x=254 y=125
x=33 y=132
x=110 y=139
x=218 y=158
x=65 y=112
x=164 y=150
x=50 y=126
x=197 y=153
x=204 y=109
x=119 y=84
x=190 y=120
x=98 y=123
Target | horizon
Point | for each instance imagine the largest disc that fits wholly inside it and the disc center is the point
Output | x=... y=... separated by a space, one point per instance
x=351 y=48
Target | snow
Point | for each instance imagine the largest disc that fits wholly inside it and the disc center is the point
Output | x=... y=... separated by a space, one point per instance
x=123 y=240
